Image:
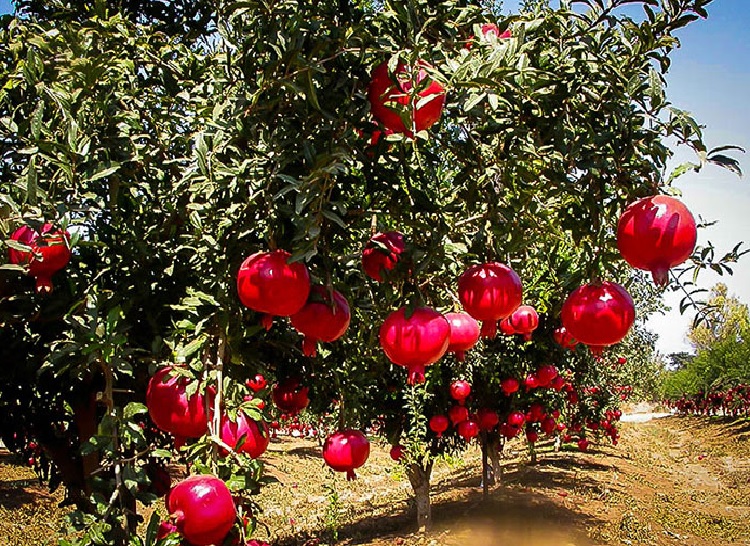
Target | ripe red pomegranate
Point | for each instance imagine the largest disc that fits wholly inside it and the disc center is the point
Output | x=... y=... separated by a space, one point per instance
x=656 y=233
x=506 y=328
x=535 y=414
x=516 y=419
x=531 y=382
x=170 y=407
x=202 y=509
x=509 y=431
x=257 y=383
x=490 y=292
x=598 y=315
x=564 y=339
x=439 y=424
x=415 y=342
x=460 y=390
x=545 y=374
x=464 y=334
x=252 y=436
x=487 y=419
x=268 y=284
x=548 y=425
x=290 y=397
x=346 y=450
x=390 y=98
x=621 y=360
x=468 y=429
x=457 y=414
x=397 y=452
x=50 y=252
x=509 y=385
x=322 y=318
x=381 y=254
x=583 y=444
x=524 y=321
x=557 y=383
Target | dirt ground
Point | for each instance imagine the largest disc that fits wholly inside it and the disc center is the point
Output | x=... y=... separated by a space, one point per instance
x=670 y=481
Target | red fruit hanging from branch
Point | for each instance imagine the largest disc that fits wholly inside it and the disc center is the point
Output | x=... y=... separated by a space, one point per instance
x=325 y=317
x=524 y=321
x=490 y=292
x=172 y=409
x=439 y=424
x=598 y=315
x=464 y=334
x=268 y=284
x=415 y=342
x=563 y=338
x=655 y=234
x=251 y=436
x=202 y=509
x=290 y=397
x=346 y=450
x=460 y=390
x=50 y=252
x=411 y=96
x=381 y=254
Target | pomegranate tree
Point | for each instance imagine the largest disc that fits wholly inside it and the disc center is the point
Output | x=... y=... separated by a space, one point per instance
x=598 y=315
x=202 y=509
x=172 y=409
x=50 y=252
x=464 y=334
x=345 y=451
x=490 y=292
x=415 y=341
x=268 y=284
x=393 y=100
x=381 y=254
x=325 y=317
x=655 y=234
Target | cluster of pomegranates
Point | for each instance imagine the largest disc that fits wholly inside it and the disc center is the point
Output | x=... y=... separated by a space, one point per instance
x=733 y=401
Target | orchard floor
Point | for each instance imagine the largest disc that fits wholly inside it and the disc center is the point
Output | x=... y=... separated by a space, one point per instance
x=671 y=481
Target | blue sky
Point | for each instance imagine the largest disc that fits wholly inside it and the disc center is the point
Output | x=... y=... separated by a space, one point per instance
x=710 y=77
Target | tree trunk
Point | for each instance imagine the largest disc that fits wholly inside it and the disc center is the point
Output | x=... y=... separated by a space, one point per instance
x=494 y=448
x=420 y=482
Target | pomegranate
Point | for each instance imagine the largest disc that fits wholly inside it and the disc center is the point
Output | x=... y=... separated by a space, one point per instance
x=548 y=425
x=397 y=452
x=415 y=342
x=439 y=424
x=598 y=315
x=557 y=383
x=622 y=360
x=290 y=397
x=170 y=407
x=564 y=339
x=50 y=252
x=516 y=419
x=506 y=328
x=202 y=509
x=245 y=435
x=346 y=450
x=546 y=374
x=381 y=254
x=509 y=385
x=257 y=383
x=325 y=317
x=468 y=429
x=393 y=100
x=487 y=419
x=490 y=292
x=524 y=321
x=460 y=390
x=583 y=444
x=656 y=233
x=267 y=283
x=464 y=334
x=458 y=414
x=535 y=414
x=531 y=382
